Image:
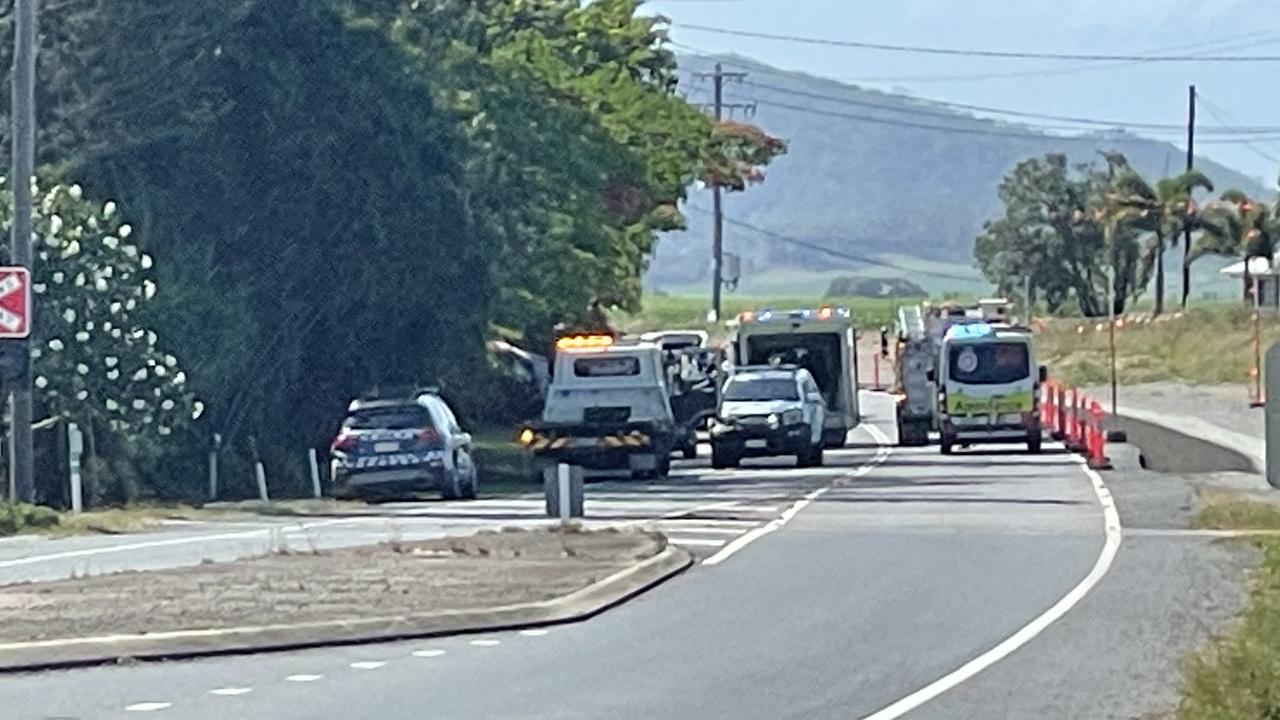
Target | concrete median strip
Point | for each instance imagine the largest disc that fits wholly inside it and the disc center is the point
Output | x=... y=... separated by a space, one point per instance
x=579 y=604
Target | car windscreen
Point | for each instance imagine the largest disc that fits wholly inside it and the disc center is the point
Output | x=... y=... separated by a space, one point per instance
x=994 y=363
x=756 y=389
x=606 y=366
x=396 y=417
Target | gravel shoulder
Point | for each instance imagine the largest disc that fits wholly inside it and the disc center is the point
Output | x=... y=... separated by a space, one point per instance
x=490 y=569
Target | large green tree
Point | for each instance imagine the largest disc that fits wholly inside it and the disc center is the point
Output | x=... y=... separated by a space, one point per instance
x=348 y=193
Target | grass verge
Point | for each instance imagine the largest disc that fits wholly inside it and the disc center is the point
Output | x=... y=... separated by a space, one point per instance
x=1208 y=345
x=21 y=518
x=1238 y=676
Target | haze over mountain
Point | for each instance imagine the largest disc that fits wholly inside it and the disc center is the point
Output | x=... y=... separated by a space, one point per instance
x=875 y=174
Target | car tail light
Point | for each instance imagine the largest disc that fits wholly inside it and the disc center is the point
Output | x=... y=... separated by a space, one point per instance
x=344 y=443
x=430 y=436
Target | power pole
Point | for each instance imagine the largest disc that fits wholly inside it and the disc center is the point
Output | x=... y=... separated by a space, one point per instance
x=718 y=108
x=1191 y=161
x=21 y=460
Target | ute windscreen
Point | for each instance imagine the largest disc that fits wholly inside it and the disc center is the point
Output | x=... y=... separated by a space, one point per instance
x=819 y=353
x=989 y=363
x=398 y=417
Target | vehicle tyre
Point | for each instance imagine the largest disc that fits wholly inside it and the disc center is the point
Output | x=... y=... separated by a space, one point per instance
x=1034 y=441
x=690 y=451
x=451 y=488
x=722 y=458
x=948 y=444
x=471 y=486
x=664 y=466
x=834 y=439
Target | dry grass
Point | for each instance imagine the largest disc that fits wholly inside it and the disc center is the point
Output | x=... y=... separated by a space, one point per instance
x=1238 y=676
x=1211 y=345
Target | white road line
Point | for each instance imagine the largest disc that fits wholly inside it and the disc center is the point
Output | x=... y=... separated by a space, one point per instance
x=428 y=653
x=304 y=678
x=1192 y=534
x=231 y=691
x=1111 y=545
x=742 y=541
x=368 y=664
x=535 y=632
x=147 y=706
x=695 y=542
x=485 y=643
x=705 y=530
x=127 y=547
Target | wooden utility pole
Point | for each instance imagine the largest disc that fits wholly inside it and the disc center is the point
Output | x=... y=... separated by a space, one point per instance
x=1191 y=161
x=21 y=457
x=718 y=107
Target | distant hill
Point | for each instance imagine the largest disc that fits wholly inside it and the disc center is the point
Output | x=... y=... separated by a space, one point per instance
x=882 y=183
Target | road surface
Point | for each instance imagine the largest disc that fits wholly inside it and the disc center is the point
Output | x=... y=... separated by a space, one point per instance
x=862 y=589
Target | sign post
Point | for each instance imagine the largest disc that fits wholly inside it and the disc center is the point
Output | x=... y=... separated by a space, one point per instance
x=75 y=449
x=15 y=364
x=1272 y=414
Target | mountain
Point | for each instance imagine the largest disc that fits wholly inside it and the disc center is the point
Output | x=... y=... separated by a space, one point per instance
x=874 y=175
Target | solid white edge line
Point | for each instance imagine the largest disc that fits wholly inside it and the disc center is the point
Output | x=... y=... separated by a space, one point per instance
x=1111 y=545
x=742 y=541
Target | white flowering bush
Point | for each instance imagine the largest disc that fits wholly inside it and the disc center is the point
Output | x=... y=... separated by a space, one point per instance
x=93 y=356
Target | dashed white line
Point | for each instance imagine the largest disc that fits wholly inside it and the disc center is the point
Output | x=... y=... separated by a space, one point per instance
x=368 y=664
x=744 y=540
x=428 y=653
x=231 y=691
x=304 y=678
x=485 y=643
x=147 y=706
x=534 y=632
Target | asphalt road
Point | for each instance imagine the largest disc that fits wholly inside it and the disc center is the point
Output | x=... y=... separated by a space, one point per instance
x=896 y=578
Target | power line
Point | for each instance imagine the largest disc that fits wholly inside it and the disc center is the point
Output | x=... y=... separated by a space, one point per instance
x=1002 y=54
x=941 y=112
x=1222 y=115
x=1233 y=42
x=832 y=252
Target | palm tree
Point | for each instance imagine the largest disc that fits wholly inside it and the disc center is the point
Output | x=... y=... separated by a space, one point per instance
x=1164 y=211
x=1240 y=227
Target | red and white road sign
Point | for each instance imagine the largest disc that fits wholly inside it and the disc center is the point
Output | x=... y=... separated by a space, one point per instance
x=15 y=302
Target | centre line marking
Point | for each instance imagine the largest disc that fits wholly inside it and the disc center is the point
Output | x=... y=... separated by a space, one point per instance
x=147 y=706
x=882 y=452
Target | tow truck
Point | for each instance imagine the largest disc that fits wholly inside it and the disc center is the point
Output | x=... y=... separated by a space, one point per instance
x=820 y=340
x=607 y=408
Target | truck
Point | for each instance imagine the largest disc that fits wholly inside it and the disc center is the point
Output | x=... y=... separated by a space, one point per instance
x=913 y=393
x=988 y=386
x=607 y=409
x=822 y=341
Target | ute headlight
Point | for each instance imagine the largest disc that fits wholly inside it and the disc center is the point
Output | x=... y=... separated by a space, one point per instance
x=793 y=417
x=773 y=420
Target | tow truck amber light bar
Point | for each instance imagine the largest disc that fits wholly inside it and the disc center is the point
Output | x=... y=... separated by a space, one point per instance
x=583 y=342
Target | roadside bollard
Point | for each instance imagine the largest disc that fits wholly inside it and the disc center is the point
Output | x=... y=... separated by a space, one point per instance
x=1060 y=408
x=1098 y=450
x=563 y=486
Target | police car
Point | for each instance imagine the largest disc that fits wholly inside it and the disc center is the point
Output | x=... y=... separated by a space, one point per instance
x=404 y=443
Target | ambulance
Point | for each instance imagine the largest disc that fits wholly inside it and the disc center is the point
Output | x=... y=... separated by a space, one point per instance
x=988 y=386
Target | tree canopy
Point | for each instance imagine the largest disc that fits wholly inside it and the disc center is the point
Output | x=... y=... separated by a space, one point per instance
x=345 y=193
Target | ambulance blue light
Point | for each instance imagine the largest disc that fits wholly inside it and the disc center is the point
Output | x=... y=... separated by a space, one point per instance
x=971 y=330
x=765 y=316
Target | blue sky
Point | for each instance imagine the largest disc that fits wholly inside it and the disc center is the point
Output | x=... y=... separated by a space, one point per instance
x=1144 y=93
